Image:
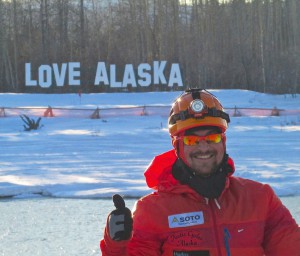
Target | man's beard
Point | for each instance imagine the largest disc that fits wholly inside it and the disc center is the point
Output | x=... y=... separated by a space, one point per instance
x=212 y=167
x=210 y=186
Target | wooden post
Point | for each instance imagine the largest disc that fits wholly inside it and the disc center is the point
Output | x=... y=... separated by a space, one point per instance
x=236 y=112
x=2 y=112
x=96 y=114
x=144 y=112
x=275 y=112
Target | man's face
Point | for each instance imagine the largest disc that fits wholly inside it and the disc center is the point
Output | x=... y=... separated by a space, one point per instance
x=204 y=158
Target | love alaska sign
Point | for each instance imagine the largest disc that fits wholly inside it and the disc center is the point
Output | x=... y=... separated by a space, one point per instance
x=69 y=73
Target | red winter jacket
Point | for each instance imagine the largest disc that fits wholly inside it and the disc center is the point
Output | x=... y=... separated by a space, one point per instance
x=247 y=220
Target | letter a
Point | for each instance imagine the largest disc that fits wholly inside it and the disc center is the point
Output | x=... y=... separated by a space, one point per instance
x=175 y=76
x=101 y=74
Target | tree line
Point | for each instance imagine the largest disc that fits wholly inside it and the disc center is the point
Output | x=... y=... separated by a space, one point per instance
x=238 y=44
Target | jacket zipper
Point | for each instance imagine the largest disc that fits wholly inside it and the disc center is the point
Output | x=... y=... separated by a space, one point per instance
x=227 y=237
x=215 y=227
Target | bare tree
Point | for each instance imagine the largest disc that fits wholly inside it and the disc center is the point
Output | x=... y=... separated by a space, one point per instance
x=44 y=16
x=218 y=43
x=16 y=46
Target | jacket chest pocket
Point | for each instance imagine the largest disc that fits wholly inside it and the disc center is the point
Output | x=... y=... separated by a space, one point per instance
x=245 y=235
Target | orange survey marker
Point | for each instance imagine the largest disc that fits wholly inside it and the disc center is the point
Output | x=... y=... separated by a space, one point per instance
x=48 y=112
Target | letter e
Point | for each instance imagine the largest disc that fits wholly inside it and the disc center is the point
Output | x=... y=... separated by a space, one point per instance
x=73 y=74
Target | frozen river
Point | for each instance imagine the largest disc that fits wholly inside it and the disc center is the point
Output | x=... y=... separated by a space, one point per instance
x=68 y=227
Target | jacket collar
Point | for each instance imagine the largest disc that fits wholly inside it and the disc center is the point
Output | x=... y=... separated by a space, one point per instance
x=159 y=175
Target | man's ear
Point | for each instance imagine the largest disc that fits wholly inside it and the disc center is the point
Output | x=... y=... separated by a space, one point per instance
x=175 y=143
x=224 y=140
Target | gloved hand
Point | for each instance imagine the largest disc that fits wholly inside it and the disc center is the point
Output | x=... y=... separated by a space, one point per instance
x=120 y=220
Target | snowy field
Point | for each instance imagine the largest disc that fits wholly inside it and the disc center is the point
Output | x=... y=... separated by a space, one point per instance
x=74 y=156
x=80 y=157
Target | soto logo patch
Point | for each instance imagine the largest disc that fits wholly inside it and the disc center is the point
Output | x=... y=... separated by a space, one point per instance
x=185 y=219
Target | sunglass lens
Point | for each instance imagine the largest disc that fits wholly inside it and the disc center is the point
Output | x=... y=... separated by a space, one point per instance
x=213 y=138
x=190 y=140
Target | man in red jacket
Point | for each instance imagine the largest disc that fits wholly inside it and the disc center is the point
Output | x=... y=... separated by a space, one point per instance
x=198 y=207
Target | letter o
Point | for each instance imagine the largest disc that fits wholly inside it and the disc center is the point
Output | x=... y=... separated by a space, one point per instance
x=45 y=76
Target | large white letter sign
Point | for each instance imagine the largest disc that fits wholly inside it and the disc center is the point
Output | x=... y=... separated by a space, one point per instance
x=101 y=74
x=175 y=76
x=113 y=77
x=74 y=73
x=145 y=77
x=158 y=72
x=45 y=76
x=60 y=76
x=28 y=80
x=129 y=76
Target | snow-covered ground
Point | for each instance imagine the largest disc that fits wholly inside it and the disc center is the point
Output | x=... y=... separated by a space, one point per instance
x=75 y=156
x=92 y=158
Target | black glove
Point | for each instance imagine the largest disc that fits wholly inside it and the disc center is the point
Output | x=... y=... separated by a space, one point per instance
x=120 y=220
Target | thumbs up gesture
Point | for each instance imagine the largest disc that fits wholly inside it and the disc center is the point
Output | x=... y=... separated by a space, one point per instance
x=120 y=220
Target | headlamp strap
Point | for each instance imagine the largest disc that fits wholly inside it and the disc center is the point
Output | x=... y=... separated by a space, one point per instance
x=196 y=95
x=183 y=115
x=218 y=113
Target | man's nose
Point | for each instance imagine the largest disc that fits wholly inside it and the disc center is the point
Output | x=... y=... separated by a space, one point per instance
x=203 y=143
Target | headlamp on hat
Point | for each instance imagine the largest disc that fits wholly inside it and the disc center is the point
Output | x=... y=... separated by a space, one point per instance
x=197 y=108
